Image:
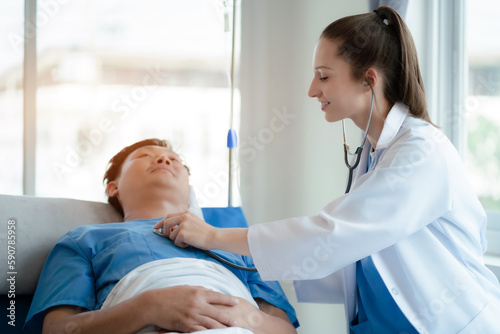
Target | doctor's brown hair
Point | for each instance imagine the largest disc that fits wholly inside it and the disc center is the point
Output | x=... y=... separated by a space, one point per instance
x=115 y=164
x=382 y=40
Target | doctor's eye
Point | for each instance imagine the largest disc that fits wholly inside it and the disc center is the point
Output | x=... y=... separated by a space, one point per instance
x=323 y=78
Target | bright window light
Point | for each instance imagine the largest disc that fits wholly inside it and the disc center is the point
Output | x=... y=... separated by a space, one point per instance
x=11 y=96
x=483 y=101
x=111 y=73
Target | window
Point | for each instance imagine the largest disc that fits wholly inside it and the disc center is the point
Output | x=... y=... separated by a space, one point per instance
x=482 y=156
x=462 y=78
x=110 y=73
x=11 y=96
x=483 y=101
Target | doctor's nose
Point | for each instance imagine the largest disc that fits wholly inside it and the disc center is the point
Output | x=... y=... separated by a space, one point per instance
x=313 y=90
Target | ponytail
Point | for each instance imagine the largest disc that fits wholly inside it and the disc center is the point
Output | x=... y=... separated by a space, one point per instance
x=381 y=39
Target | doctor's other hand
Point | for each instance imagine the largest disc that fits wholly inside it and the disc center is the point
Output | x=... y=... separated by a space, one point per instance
x=186 y=228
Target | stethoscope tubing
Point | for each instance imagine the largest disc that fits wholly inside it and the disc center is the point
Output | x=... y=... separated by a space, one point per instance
x=359 y=150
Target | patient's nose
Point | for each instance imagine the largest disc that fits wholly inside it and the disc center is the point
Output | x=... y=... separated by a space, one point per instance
x=163 y=159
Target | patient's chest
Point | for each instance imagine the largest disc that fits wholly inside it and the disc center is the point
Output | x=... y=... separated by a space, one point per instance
x=116 y=249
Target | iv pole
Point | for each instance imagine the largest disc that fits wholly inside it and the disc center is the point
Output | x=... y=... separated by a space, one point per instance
x=232 y=139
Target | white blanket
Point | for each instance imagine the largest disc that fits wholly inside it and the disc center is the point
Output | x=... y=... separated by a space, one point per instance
x=180 y=271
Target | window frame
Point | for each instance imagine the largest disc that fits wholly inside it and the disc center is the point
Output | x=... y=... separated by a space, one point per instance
x=447 y=79
x=29 y=96
x=446 y=83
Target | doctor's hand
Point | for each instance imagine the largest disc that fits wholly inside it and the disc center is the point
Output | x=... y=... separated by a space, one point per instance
x=186 y=228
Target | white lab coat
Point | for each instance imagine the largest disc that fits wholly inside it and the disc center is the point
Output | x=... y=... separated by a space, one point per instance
x=418 y=218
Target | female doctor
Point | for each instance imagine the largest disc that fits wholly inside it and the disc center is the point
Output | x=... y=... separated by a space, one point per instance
x=402 y=249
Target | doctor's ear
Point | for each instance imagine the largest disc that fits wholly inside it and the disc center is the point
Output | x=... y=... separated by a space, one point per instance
x=371 y=78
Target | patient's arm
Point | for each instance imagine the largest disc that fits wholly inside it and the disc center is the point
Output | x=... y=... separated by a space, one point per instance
x=268 y=320
x=180 y=308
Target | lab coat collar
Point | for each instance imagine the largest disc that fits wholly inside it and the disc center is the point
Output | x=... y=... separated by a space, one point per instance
x=392 y=124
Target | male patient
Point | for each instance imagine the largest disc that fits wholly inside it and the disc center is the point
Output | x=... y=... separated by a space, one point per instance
x=146 y=181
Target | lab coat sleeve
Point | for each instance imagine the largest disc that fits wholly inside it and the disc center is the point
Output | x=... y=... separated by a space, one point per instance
x=408 y=189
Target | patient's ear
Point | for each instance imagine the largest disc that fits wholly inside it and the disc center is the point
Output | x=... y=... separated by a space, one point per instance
x=112 y=189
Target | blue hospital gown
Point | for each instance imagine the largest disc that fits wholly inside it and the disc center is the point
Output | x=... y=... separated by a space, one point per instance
x=87 y=262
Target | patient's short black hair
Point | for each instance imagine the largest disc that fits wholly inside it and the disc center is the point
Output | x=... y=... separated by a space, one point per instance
x=115 y=164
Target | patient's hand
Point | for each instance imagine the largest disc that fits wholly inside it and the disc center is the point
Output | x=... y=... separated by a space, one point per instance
x=245 y=314
x=267 y=320
x=189 y=308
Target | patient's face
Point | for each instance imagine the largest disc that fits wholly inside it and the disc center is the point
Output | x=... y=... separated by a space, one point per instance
x=152 y=168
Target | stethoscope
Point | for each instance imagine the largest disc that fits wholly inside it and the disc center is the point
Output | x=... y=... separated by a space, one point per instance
x=359 y=150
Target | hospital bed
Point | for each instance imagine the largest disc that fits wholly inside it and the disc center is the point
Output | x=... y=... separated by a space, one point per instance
x=31 y=226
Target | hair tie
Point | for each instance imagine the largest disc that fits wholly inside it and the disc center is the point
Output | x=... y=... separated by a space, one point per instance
x=382 y=17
